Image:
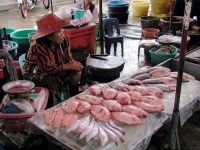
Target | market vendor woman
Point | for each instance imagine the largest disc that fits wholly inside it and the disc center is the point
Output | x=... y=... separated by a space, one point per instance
x=49 y=62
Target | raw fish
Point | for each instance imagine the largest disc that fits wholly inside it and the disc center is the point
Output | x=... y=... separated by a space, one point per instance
x=113 y=136
x=123 y=98
x=112 y=105
x=84 y=107
x=89 y=98
x=100 y=113
x=126 y=118
x=102 y=135
x=95 y=89
x=87 y=129
x=70 y=106
x=109 y=93
x=132 y=109
x=92 y=133
x=112 y=124
x=135 y=96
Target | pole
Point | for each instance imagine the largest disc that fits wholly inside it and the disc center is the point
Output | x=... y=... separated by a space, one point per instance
x=176 y=115
x=101 y=27
x=172 y=14
x=51 y=5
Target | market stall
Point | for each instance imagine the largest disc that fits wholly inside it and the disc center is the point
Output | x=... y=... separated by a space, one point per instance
x=136 y=137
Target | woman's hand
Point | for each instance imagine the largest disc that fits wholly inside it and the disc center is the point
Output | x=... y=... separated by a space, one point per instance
x=74 y=65
x=2 y=63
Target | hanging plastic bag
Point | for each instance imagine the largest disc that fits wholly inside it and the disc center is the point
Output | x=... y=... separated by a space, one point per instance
x=87 y=16
x=63 y=13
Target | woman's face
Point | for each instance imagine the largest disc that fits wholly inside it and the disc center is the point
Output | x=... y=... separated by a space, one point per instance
x=57 y=37
x=88 y=1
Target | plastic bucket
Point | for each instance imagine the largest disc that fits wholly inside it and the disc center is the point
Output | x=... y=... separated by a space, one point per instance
x=78 y=14
x=161 y=6
x=8 y=32
x=21 y=38
x=149 y=21
x=11 y=46
x=140 y=8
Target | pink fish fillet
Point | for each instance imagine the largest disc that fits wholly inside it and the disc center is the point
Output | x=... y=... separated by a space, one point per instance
x=167 y=80
x=123 y=98
x=71 y=120
x=154 y=91
x=140 y=89
x=46 y=116
x=58 y=119
x=131 y=109
x=89 y=98
x=52 y=116
x=65 y=119
x=162 y=72
x=109 y=93
x=95 y=89
x=148 y=107
x=126 y=118
x=154 y=101
x=84 y=107
x=70 y=106
x=100 y=113
x=112 y=105
x=157 y=67
x=135 y=96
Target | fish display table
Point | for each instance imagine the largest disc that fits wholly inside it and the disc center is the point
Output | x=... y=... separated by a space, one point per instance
x=136 y=137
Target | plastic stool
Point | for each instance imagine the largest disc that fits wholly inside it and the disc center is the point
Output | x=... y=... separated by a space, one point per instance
x=146 y=49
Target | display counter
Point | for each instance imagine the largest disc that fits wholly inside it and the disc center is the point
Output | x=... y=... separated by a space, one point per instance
x=81 y=38
x=137 y=137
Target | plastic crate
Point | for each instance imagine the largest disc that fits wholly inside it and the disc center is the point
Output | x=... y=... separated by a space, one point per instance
x=17 y=122
x=157 y=58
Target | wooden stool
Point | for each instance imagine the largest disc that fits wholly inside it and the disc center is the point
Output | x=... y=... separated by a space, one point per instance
x=104 y=68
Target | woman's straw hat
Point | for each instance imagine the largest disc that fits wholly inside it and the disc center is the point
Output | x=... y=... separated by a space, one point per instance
x=49 y=24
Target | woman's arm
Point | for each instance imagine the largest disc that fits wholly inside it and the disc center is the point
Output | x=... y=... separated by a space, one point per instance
x=39 y=55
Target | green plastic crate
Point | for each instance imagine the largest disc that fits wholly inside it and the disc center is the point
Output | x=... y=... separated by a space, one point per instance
x=157 y=58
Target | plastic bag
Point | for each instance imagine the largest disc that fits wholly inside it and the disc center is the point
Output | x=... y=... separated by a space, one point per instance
x=38 y=102
x=63 y=13
x=87 y=16
x=75 y=23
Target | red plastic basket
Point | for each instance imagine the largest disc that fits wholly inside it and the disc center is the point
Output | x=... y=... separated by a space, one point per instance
x=17 y=122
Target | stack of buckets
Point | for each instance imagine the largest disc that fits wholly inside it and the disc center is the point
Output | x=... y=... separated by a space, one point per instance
x=160 y=8
x=140 y=8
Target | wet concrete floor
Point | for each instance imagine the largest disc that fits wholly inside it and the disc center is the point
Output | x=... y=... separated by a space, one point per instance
x=190 y=132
